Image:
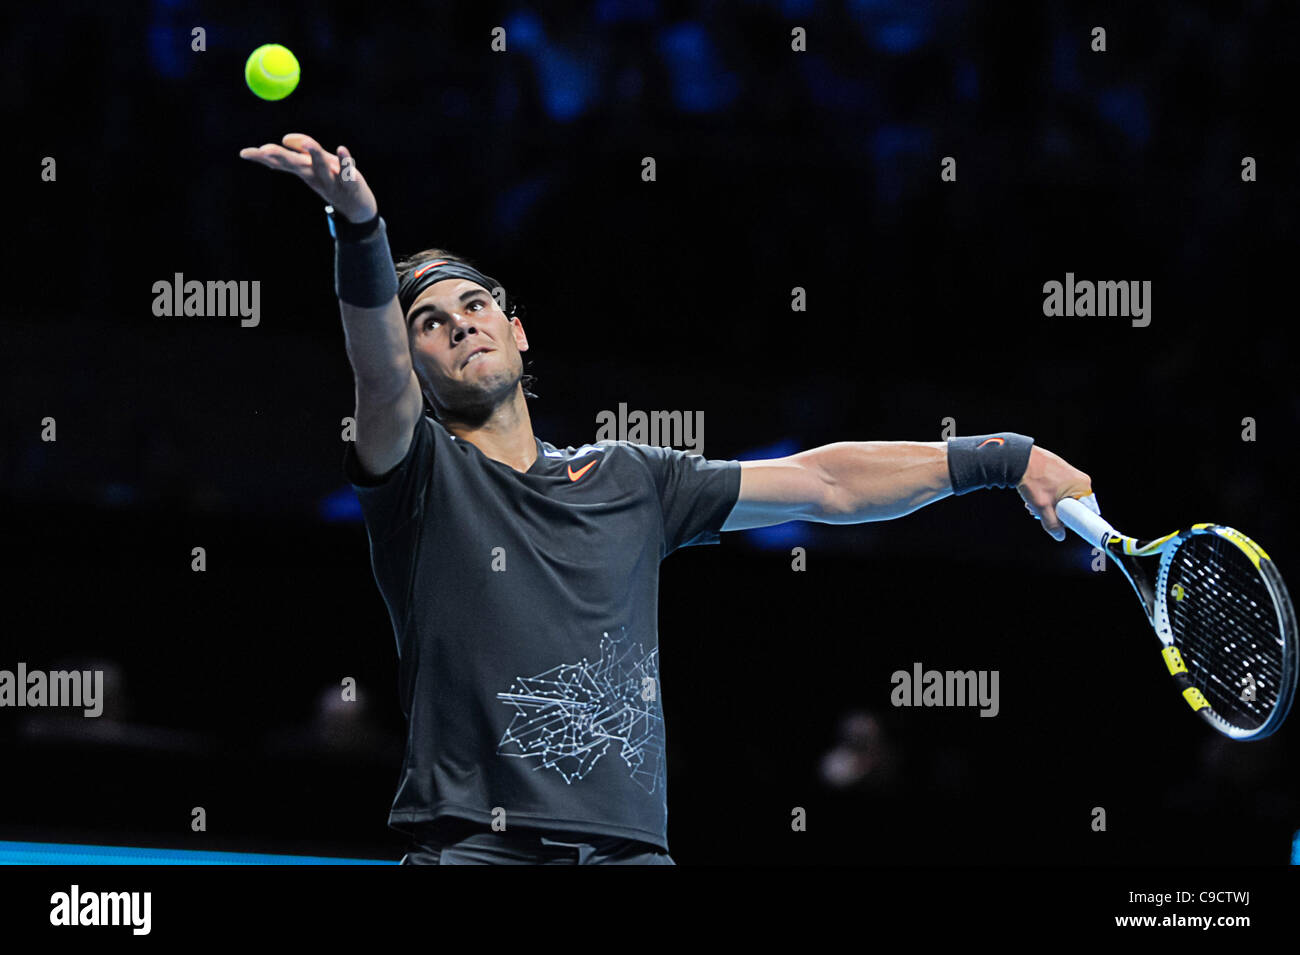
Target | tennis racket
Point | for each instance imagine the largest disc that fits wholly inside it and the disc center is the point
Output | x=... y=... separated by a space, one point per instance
x=1220 y=609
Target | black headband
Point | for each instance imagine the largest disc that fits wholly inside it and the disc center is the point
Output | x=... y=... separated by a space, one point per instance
x=436 y=270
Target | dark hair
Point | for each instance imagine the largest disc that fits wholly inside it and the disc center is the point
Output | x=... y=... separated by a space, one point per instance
x=513 y=308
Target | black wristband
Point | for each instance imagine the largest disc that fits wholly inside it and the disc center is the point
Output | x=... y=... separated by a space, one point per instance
x=364 y=275
x=345 y=230
x=987 y=460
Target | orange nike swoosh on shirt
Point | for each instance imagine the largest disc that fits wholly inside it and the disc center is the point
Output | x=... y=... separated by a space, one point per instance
x=986 y=441
x=573 y=476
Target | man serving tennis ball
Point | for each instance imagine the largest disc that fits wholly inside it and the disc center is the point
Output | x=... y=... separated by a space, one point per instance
x=522 y=578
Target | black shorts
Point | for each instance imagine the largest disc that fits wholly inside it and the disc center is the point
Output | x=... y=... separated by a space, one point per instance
x=450 y=841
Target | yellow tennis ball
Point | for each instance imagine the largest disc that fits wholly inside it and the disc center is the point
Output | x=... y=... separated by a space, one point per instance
x=272 y=71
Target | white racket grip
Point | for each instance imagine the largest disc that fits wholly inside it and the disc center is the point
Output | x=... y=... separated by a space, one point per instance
x=1083 y=516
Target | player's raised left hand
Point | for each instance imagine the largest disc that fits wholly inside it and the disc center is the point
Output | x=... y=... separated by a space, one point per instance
x=333 y=177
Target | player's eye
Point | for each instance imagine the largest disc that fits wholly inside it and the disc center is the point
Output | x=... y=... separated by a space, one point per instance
x=431 y=322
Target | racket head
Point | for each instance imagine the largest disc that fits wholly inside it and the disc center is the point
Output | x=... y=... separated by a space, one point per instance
x=1220 y=602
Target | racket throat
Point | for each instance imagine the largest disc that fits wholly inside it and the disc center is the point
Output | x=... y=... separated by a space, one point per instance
x=1140 y=581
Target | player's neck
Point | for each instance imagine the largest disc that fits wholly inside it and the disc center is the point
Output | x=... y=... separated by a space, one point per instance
x=506 y=435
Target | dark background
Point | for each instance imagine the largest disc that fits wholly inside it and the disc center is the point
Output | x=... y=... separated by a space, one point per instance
x=775 y=169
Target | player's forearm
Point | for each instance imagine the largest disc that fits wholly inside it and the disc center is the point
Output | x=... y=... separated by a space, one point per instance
x=377 y=349
x=879 y=480
x=373 y=321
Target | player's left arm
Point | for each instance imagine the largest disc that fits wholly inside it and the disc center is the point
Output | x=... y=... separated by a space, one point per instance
x=851 y=482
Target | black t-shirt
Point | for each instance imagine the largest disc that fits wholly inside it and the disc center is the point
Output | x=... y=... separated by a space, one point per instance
x=525 y=606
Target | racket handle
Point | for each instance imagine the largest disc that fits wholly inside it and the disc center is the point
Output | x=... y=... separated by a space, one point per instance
x=1083 y=516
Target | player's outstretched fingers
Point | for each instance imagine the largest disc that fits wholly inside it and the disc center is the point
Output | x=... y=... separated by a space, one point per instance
x=321 y=166
x=299 y=141
x=274 y=156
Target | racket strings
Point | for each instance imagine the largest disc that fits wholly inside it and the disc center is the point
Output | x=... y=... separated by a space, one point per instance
x=1225 y=626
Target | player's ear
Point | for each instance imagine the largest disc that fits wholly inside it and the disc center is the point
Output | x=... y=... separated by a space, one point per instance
x=521 y=340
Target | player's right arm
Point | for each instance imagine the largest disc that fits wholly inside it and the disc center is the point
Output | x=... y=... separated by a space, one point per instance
x=388 y=401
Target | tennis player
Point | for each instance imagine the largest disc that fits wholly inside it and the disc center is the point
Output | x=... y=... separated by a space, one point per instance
x=521 y=578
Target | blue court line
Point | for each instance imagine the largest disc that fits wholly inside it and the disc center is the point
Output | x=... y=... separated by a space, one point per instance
x=54 y=853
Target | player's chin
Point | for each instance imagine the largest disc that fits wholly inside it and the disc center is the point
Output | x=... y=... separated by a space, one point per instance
x=491 y=372
x=480 y=381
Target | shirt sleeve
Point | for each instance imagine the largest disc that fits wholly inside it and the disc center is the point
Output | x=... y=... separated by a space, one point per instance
x=390 y=502
x=695 y=494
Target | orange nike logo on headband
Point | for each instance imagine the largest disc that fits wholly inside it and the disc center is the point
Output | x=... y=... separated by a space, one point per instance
x=987 y=440
x=581 y=471
x=424 y=268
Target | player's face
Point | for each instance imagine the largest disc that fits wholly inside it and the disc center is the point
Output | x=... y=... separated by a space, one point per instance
x=464 y=347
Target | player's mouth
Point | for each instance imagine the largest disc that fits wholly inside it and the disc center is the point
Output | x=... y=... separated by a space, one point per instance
x=481 y=350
